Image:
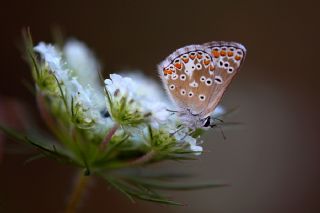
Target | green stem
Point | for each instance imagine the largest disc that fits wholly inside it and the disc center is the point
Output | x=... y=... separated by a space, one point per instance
x=107 y=139
x=143 y=159
x=78 y=190
x=45 y=114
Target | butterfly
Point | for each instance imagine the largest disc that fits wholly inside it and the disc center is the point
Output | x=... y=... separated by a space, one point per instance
x=196 y=77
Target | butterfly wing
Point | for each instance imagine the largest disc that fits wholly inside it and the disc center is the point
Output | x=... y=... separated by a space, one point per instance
x=196 y=76
x=227 y=59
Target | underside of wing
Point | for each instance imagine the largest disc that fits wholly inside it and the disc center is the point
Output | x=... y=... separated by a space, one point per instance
x=227 y=59
x=196 y=76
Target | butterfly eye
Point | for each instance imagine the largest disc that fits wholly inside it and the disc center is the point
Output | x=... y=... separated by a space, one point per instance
x=183 y=92
x=198 y=66
x=202 y=97
x=182 y=77
x=202 y=78
x=172 y=87
x=226 y=64
x=218 y=79
x=190 y=94
x=220 y=63
x=207 y=122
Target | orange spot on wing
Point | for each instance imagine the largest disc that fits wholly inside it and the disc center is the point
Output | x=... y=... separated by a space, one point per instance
x=211 y=68
x=215 y=53
x=192 y=56
x=185 y=60
x=199 y=56
x=223 y=53
x=167 y=72
x=230 y=54
x=206 y=62
x=237 y=58
x=178 y=65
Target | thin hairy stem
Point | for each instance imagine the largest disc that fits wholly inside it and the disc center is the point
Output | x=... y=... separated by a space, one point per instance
x=111 y=132
x=143 y=159
x=48 y=119
x=77 y=193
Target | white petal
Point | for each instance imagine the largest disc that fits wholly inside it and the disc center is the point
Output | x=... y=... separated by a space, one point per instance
x=54 y=60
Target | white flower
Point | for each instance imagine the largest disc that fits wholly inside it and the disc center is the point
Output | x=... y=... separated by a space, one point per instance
x=83 y=100
x=152 y=97
x=144 y=98
x=82 y=61
x=193 y=145
x=85 y=66
x=53 y=59
x=123 y=86
x=182 y=136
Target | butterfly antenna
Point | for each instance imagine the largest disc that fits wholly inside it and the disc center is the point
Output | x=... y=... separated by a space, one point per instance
x=222 y=133
x=219 y=119
x=221 y=130
x=170 y=110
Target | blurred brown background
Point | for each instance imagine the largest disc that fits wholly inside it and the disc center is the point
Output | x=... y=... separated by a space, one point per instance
x=272 y=160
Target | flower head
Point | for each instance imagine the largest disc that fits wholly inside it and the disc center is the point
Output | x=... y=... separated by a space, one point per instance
x=122 y=124
x=82 y=100
x=131 y=103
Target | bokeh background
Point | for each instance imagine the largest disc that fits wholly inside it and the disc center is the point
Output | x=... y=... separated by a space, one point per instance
x=272 y=161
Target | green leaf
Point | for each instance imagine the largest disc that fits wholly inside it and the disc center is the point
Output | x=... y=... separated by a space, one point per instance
x=175 y=186
x=134 y=191
x=101 y=161
x=34 y=157
x=52 y=152
x=151 y=174
x=13 y=134
x=114 y=146
x=178 y=158
x=118 y=187
x=62 y=94
x=46 y=148
x=29 y=53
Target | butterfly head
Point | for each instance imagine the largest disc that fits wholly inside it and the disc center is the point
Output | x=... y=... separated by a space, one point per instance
x=194 y=120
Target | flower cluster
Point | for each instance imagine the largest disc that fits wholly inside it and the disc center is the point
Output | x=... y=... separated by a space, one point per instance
x=107 y=125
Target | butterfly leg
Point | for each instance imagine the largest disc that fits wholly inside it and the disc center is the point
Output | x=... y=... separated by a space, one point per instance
x=170 y=110
x=176 y=131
